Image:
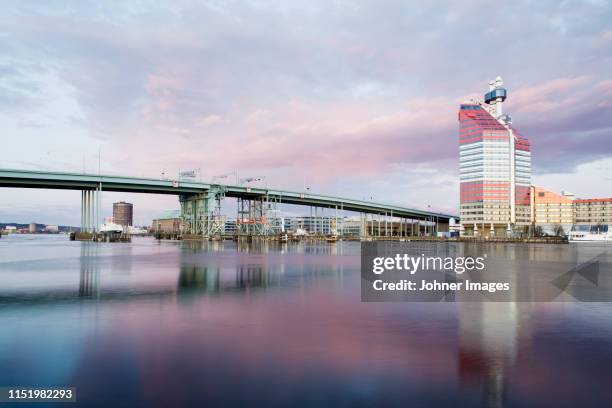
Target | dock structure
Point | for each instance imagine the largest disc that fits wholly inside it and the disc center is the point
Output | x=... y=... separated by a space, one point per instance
x=100 y=236
x=200 y=203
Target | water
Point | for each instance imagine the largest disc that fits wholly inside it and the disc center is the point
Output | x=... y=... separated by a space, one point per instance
x=209 y=324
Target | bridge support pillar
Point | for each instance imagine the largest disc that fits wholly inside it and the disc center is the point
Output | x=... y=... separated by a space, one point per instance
x=252 y=218
x=201 y=213
x=91 y=217
x=90 y=210
x=87 y=211
x=82 y=210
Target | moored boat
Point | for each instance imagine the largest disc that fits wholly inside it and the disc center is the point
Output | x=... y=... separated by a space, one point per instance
x=111 y=227
x=590 y=233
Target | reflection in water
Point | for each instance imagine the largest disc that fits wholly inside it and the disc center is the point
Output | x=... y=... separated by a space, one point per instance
x=89 y=277
x=488 y=340
x=266 y=247
x=214 y=280
x=488 y=331
x=234 y=266
x=199 y=278
x=492 y=335
x=225 y=324
x=252 y=277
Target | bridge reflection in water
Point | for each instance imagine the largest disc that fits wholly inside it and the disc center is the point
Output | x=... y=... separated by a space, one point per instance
x=203 y=279
x=89 y=278
x=247 y=266
x=251 y=266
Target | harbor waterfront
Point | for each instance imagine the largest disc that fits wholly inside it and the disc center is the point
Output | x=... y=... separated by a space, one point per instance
x=168 y=323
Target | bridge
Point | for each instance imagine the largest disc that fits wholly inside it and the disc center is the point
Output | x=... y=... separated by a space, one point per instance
x=201 y=202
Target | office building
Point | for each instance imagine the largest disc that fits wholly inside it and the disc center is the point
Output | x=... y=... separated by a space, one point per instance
x=229 y=226
x=168 y=221
x=551 y=213
x=495 y=168
x=593 y=211
x=317 y=225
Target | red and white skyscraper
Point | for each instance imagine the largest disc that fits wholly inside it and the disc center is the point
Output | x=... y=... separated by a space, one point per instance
x=495 y=168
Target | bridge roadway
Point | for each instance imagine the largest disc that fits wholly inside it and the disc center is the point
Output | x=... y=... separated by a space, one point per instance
x=91 y=182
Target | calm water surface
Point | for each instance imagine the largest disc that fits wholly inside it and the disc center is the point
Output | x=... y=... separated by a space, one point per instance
x=208 y=324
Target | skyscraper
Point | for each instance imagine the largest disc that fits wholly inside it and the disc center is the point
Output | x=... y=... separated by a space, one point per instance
x=495 y=168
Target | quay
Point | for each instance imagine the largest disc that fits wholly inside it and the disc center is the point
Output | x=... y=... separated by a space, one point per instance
x=333 y=239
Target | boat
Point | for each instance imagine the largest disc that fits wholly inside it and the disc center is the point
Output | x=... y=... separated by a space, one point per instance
x=111 y=227
x=137 y=231
x=300 y=232
x=590 y=233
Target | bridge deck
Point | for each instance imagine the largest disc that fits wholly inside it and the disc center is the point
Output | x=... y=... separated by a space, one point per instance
x=78 y=181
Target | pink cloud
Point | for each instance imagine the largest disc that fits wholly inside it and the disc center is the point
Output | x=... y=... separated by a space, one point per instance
x=549 y=95
x=324 y=139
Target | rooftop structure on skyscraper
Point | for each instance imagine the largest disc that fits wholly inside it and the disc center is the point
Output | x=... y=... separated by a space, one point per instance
x=496 y=95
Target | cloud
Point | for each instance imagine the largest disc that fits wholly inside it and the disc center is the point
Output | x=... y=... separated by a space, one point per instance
x=336 y=91
x=606 y=36
x=598 y=173
x=569 y=121
x=209 y=120
x=551 y=95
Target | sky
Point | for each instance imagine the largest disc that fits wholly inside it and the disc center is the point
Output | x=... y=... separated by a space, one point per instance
x=352 y=98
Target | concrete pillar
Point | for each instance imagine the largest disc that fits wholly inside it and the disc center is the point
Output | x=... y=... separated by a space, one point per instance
x=88 y=211
x=97 y=218
x=98 y=212
x=82 y=210
x=99 y=205
x=386 y=224
x=91 y=205
x=92 y=210
x=95 y=210
x=99 y=208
